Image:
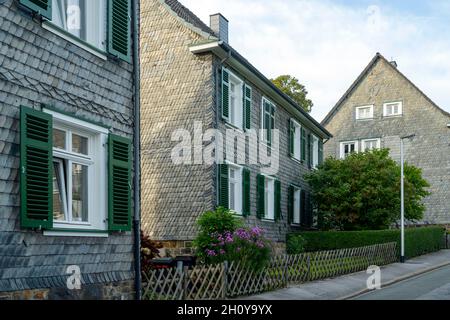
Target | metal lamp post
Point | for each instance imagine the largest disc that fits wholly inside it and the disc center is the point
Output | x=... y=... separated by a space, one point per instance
x=402 y=200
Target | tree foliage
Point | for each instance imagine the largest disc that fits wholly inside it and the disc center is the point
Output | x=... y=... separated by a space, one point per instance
x=362 y=192
x=294 y=89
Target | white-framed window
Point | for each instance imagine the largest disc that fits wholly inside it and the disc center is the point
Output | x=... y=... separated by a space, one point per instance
x=347 y=148
x=269 y=198
x=315 y=151
x=235 y=188
x=392 y=109
x=296 y=206
x=364 y=112
x=370 y=144
x=236 y=117
x=297 y=139
x=79 y=174
x=83 y=19
x=267 y=120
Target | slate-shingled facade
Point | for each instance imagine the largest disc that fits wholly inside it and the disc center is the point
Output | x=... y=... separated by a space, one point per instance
x=399 y=108
x=183 y=67
x=49 y=74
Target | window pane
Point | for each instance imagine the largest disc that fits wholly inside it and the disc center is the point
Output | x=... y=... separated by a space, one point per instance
x=79 y=192
x=79 y=144
x=85 y=19
x=59 y=193
x=59 y=139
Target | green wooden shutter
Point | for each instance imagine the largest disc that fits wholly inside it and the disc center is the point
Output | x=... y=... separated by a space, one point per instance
x=291 y=137
x=277 y=197
x=225 y=94
x=245 y=192
x=310 y=151
x=260 y=188
x=303 y=143
x=247 y=106
x=320 y=151
x=42 y=7
x=223 y=186
x=119 y=183
x=36 y=173
x=119 y=29
x=303 y=207
x=309 y=210
x=291 y=204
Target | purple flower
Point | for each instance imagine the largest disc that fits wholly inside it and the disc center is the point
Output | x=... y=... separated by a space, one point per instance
x=257 y=231
x=222 y=251
x=211 y=253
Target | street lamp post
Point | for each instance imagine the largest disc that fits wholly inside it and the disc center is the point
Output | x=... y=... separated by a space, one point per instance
x=402 y=199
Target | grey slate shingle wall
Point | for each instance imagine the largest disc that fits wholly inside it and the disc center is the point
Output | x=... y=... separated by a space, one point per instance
x=37 y=66
x=430 y=149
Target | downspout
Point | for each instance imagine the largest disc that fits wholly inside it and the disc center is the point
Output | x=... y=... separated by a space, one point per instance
x=137 y=153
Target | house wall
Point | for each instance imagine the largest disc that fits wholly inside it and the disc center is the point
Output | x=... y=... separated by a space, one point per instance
x=430 y=149
x=290 y=171
x=176 y=90
x=37 y=66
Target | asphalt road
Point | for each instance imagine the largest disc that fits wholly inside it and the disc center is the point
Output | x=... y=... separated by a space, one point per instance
x=434 y=285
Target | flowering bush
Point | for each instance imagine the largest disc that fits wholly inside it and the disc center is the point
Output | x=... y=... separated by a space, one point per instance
x=233 y=243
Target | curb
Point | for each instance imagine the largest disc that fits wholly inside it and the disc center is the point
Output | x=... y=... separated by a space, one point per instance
x=396 y=280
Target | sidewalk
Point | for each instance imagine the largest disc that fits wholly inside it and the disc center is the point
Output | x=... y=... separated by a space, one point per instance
x=354 y=284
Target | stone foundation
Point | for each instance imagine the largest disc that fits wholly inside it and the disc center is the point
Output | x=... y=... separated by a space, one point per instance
x=113 y=291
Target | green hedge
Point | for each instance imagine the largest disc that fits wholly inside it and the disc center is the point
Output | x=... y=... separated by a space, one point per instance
x=418 y=241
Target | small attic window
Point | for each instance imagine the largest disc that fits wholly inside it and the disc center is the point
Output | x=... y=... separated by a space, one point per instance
x=364 y=112
x=393 y=109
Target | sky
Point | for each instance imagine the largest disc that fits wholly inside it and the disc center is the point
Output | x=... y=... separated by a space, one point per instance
x=327 y=43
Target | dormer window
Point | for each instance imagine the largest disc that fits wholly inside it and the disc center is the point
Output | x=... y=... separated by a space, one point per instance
x=364 y=112
x=393 y=109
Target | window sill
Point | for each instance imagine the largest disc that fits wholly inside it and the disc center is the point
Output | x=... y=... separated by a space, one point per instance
x=229 y=125
x=296 y=160
x=76 y=233
x=72 y=39
x=365 y=120
x=393 y=117
x=268 y=220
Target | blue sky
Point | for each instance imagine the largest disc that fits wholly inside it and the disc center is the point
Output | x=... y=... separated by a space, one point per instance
x=326 y=43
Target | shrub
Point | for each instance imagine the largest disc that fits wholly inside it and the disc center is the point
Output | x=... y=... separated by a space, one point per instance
x=418 y=241
x=295 y=245
x=361 y=192
x=149 y=251
x=222 y=238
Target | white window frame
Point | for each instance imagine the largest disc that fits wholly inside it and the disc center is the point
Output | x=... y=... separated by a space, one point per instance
x=97 y=161
x=363 y=143
x=263 y=113
x=315 y=154
x=238 y=191
x=236 y=116
x=400 y=109
x=99 y=18
x=269 y=198
x=297 y=204
x=365 y=107
x=297 y=155
x=342 y=147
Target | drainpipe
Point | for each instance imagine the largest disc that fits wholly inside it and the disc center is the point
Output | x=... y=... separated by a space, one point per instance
x=137 y=153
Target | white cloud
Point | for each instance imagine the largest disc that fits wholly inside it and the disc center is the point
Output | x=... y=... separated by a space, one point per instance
x=327 y=45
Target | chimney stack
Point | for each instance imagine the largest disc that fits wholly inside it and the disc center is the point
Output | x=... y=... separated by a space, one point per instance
x=219 y=24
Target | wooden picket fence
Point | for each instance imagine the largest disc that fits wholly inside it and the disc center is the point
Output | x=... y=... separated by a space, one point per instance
x=229 y=280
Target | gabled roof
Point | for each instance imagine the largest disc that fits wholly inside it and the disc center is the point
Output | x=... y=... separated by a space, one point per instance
x=358 y=80
x=187 y=15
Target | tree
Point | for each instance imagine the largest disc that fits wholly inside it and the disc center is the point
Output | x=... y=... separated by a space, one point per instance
x=362 y=192
x=292 y=87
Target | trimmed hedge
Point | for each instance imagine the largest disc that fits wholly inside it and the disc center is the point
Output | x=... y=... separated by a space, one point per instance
x=418 y=241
